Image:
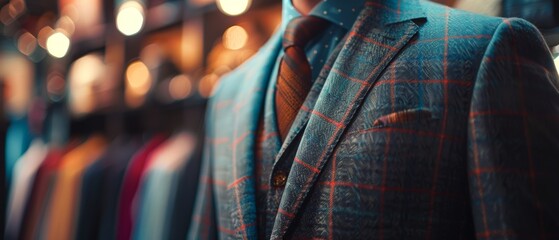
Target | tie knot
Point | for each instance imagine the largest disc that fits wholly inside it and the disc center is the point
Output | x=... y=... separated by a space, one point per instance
x=301 y=30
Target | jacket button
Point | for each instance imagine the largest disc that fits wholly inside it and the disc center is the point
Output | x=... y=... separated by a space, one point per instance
x=279 y=179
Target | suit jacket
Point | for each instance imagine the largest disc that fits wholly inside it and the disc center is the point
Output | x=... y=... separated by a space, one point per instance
x=431 y=123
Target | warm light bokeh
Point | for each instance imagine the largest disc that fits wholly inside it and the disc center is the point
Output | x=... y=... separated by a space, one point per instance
x=58 y=44
x=233 y=7
x=180 y=87
x=85 y=73
x=138 y=83
x=235 y=37
x=130 y=18
x=26 y=43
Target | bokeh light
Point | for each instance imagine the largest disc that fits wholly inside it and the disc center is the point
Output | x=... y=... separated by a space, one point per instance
x=235 y=37
x=66 y=24
x=138 y=83
x=85 y=73
x=130 y=18
x=233 y=7
x=180 y=87
x=26 y=43
x=86 y=70
x=55 y=86
x=43 y=35
x=58 y=44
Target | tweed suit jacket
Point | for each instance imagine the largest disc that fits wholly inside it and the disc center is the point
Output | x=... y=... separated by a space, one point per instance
x=428 y=123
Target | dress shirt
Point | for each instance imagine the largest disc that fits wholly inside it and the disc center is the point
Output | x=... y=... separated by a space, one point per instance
x=23 y=175
x=342 y=15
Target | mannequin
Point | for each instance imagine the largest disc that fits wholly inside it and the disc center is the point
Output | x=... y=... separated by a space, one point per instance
x=416 y=127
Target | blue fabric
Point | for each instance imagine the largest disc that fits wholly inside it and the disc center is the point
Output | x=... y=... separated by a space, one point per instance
x=18 y=138
x=431 y=123
x=157 y=196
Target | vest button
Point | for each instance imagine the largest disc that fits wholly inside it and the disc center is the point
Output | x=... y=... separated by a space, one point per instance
x=279 y=179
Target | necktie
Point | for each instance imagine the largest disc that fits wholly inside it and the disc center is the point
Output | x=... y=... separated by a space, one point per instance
x=294 y=78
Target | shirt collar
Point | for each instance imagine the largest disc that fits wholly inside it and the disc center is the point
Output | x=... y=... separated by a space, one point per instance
x=338 y=12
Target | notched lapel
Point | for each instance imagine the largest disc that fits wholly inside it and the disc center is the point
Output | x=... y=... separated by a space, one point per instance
x=370 y=47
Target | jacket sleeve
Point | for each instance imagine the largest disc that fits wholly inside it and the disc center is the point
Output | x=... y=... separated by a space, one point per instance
x=513 y=137
x=203 y=224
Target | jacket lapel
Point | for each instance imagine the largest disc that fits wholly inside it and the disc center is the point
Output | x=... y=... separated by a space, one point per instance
x=245 y=111
x=378 y=35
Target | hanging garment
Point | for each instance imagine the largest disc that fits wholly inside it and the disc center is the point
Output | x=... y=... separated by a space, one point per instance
x=63 y=209
x=41 y=192
x=100 y=189
x=136 y=168
x=18 y=139
x=23 y=176
x=112 y=187
x=160 y=190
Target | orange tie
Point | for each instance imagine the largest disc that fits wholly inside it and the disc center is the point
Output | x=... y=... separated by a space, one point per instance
x=294 y=78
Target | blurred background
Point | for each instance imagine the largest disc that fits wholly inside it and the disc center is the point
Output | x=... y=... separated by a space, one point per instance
x=100 y=76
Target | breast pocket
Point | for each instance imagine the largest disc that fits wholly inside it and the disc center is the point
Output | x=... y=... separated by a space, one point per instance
x=404 y=117
x=394 y=149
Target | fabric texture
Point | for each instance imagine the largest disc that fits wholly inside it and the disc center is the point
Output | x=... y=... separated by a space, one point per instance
x=467 y=148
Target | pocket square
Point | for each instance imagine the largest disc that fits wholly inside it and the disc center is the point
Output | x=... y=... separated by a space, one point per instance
x=405 y=116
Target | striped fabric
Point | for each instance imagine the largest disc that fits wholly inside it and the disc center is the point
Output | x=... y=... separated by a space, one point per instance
x=294 y=78
x=467 y=148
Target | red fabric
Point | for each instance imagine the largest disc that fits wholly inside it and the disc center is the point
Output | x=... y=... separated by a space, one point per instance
x=130 y=185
